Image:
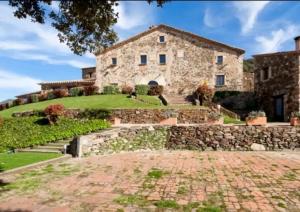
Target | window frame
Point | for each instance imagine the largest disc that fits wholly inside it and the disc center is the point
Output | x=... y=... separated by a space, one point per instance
x=217 y=77
x=165 y=59
x=164 y=39
x=145 y=57
x=220 y=56
x=114 y=61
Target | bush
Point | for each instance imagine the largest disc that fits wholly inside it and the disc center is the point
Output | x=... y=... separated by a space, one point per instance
x=50 y=95
x=255 y=114
x=156 y=90
x=111 y=89
x=142 y=89
x=77 y=91
x=204 y=93
x=2 y=107
x=126 y=89
x=90 y=90
x=19 y=101
x=60 y=93
x=53 y=112
x=30 y=131
x=43 y=97
x=34 y=98
x=1 y=121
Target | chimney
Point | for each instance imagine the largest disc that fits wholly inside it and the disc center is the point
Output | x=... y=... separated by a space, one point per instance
x=297 y=43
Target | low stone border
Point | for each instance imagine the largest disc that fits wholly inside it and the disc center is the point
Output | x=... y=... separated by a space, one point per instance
x=34 y=165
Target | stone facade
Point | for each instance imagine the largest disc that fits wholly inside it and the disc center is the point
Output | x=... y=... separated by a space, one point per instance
x=190 y=60
x=277 y=77
x=248 y=81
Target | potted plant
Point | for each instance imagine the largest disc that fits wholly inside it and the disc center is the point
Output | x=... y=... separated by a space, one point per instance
x=256 y=118
x=295 y=119
x=215 y=119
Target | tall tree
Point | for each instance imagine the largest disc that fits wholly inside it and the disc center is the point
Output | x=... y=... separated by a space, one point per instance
x=84 y=25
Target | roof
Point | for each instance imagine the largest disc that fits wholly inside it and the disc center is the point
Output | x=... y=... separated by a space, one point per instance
x=89 y=68
x=278 y=53
x=88 y=81
x=162 y=26
x=28 y=94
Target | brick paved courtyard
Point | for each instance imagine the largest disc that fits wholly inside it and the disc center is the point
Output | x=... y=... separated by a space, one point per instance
x=154 y=181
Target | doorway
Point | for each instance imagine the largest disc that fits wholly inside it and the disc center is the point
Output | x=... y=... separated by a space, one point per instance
x=279 y=108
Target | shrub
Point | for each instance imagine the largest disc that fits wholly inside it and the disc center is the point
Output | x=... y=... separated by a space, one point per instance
x=156 y=90
x=34 y=98
x=77 y=91
x=43 y=97
x=60 y=93
x=142 y=89
x=50 y=95
x=126 y=89
x=204 y=93
x=2 y=106
x=90 y=90
x=111 y=89
x=19 y=101
x=255 y=114
x=53 y=112
x=1 y=121
x=30 y=131
x=295 y=114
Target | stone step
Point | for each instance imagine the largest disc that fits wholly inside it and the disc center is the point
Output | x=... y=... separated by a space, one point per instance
x=57 y=144
x=49 y=147
x=40 y=150
x=175 y=100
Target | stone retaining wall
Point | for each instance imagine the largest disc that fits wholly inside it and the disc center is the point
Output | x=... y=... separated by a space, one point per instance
x=233 y=137
x=201 y=137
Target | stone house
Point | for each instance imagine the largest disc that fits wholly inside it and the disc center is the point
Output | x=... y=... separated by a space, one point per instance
x=277 y=77
x=163 y=55
x=176 y=59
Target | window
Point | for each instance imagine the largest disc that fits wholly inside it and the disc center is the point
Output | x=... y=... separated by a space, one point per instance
x=266 y=73
x=219 y=60
x=143 y=59
x=114 y=61
x=161 y=39
x=220 y=80
x=162 y=59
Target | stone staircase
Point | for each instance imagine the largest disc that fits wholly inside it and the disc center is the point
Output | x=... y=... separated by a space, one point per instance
x=176 y=100
x=57 y=147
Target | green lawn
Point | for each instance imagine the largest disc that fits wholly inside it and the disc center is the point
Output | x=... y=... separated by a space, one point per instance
x=229 y=120
x=14 y=160
x=82 y=102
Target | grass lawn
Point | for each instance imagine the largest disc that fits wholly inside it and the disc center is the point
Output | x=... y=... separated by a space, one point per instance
x=95 y=102
x=82 y=102
x=14 y=160
x=229 y=120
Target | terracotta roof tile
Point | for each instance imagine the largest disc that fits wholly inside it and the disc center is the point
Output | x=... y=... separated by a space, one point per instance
x=68 y=82
x=278 y=53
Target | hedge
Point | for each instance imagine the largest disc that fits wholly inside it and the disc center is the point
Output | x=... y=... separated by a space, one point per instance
x=31 y=131
x=111 y=89
x=142 y=89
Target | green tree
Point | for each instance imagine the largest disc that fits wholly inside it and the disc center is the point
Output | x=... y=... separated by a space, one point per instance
x=84 y=25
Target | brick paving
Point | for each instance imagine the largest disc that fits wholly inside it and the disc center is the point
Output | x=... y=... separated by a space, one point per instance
x=155 y=181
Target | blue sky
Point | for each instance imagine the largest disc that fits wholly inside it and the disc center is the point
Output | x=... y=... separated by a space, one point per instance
x=31 y=53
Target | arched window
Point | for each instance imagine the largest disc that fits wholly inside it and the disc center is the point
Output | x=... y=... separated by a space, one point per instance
x=152 y=83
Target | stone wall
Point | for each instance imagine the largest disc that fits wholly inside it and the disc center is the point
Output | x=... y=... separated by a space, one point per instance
x=189 y=62
x=233 y=138
x=284 y=80
x=151 y=116
x=248 y=81
x=201 y=137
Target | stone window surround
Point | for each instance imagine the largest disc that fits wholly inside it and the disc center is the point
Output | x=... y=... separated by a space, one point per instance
x=217 y=58
x=141 y=60
x=159 y=55
x=262 y=79
x=220 y=74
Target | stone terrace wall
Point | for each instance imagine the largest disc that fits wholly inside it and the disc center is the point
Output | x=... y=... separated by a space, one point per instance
x=233 y=137
x=151 y=116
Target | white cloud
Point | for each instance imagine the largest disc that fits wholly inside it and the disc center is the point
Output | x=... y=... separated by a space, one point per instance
x=9 y=80
x=38 y=41
x=134 y=14
x=277 y=39
x=247 y=13
x=209 y=19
